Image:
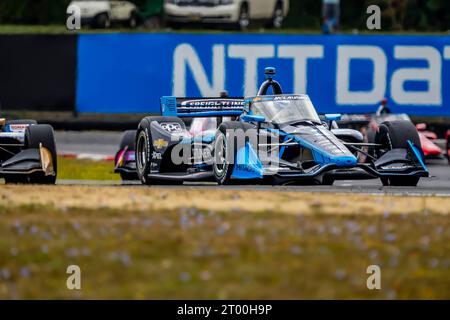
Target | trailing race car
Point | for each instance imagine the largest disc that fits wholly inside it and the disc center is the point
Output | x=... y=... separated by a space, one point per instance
x=371 y=126
x=124 y=161
x=277 y=138
x=27 y=152
x=447 y=138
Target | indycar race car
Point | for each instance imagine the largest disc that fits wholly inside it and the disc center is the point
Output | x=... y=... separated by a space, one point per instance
x=370 y=125
x=447 y=138
x=124 y=161
x=27 y=152
x=277 y=138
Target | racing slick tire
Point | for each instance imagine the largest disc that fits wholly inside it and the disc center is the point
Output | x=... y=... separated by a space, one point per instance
x=327 y=181
x=128 y=141
x=42 y=134
x=225 y=149
x=144 y=149
x=393 y=135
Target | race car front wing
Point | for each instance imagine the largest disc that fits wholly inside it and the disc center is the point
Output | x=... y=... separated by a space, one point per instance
x=29 y=161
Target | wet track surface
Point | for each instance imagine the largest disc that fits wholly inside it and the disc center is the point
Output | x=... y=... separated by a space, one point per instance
x=106 y=143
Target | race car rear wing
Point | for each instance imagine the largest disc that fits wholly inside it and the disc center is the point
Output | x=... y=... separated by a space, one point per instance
x=201 y=107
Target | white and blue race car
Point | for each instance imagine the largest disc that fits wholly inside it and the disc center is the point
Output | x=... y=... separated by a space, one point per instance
x=27 y=152
x=276 y=138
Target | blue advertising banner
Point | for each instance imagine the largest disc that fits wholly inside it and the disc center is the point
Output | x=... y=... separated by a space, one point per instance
x=128 y=73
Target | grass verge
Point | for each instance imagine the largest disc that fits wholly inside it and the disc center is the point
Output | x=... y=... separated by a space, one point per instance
x=61 y=29
x=149 y=243
x=79 y=169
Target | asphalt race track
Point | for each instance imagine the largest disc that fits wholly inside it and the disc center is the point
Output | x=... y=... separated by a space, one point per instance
x=105 y=144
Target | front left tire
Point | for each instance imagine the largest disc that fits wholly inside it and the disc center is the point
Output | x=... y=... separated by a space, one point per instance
x=395 y=135
x=36 y=135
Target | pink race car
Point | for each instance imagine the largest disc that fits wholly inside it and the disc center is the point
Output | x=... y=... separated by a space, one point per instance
x=447 y=137
x=429 y=148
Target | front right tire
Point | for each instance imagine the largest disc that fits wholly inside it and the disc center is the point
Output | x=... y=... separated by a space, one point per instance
x=226 y=146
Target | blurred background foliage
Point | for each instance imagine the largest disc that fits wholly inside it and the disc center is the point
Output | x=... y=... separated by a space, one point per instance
x=397 y=15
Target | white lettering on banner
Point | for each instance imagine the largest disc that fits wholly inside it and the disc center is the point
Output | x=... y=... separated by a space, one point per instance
x=432 y=75
x=251 y=54
x=345 y=55
x=447 y=52
x=211 y=81
x=184 y=56
x=300 y=54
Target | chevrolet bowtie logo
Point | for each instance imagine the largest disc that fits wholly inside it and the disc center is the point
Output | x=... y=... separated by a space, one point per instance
x=160 y=143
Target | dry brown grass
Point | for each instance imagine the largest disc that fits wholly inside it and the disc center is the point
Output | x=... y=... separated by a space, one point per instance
x=150 y=243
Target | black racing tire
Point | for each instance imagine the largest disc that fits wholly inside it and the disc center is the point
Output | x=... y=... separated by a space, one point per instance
x=393 y=135
x=102 y=21
x=225 y=151
x=144 y=149
x=327 y=181
x=243 y=22
x=42 y=134
x=404 y=181
x=21 y=121
x=277 y=19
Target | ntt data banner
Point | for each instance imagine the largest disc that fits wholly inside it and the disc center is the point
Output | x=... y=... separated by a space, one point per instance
x=128 y=73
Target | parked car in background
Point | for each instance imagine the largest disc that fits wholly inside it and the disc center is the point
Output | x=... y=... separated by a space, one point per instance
x=236 y=12
x=102 y=13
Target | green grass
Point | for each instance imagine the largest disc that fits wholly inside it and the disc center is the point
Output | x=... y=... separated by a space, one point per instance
x=75 y=169
x=192 y=254
x=61 y=29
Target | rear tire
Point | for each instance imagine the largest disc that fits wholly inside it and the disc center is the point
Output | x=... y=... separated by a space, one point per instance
x=144 y=150
x=42 y=134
